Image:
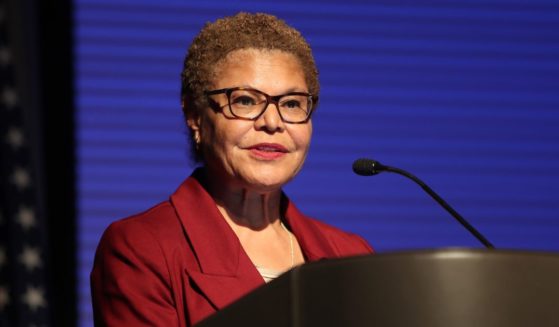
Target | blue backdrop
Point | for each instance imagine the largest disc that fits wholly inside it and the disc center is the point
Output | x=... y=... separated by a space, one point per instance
x=462 y=93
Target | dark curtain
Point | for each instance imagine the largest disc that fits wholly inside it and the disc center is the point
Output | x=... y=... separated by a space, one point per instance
x=37 y=200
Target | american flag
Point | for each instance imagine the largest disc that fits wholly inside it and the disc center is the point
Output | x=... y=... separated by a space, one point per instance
x=23 y=264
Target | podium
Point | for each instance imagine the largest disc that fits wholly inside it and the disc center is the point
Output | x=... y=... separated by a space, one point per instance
x=460 y=287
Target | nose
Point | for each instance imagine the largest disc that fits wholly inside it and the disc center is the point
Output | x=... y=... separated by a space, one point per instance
x=270 y=119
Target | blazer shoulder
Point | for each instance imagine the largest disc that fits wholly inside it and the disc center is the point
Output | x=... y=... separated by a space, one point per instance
x=346 y=243
x=159 y=223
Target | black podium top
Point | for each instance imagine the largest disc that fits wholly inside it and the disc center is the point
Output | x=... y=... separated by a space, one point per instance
x=425 y=288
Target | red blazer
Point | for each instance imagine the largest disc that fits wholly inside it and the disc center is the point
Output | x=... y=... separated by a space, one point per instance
x=179 y=262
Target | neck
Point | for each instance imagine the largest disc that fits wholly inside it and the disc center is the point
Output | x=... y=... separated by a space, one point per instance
x=243 y=207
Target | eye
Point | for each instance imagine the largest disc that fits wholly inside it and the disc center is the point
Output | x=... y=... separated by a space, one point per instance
x=244 y=100
x=291 y=104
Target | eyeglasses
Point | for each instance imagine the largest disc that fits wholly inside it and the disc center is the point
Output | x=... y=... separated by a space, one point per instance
x=248 y=103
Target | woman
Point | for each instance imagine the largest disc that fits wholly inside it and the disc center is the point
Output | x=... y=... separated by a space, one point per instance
x=249 y=88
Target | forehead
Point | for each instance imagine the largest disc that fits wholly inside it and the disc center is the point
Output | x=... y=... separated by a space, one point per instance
x=256 y=66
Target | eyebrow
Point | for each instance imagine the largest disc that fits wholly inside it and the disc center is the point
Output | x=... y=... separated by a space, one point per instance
x=295 y=89
x=290 y=90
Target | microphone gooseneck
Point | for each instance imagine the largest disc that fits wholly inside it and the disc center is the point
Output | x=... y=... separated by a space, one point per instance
x=369 y=167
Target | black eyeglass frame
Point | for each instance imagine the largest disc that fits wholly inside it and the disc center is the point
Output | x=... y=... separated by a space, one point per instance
x=269 y=99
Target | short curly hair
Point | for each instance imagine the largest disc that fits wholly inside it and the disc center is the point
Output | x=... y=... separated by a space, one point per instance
x=241 y=31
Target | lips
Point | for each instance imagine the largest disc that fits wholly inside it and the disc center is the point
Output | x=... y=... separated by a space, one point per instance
x=267 y=151
x=268 y=147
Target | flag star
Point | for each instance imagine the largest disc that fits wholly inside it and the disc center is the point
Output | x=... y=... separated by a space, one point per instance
x=21 y=178
x=15 y=138
x=5 y=56
x=26 y=217
x=34 y=298
x=4 y=297
x=9 y=97
x=3 y=258
x=30 y=258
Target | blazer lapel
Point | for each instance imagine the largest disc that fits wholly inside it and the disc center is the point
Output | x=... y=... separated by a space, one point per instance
x=313 y=242
x=223 y=290
x=220 y=268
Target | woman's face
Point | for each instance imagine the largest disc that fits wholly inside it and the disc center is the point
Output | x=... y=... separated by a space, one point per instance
x=263 y=154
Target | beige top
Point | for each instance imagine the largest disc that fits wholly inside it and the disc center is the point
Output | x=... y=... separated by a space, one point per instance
x=268 y=274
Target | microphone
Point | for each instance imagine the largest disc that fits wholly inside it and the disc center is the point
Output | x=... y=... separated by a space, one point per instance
x=369 y=167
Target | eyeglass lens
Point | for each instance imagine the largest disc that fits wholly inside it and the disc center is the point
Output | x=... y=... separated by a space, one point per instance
x=251 y=103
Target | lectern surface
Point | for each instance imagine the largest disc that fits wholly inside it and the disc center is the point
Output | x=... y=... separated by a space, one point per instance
x=426 y=288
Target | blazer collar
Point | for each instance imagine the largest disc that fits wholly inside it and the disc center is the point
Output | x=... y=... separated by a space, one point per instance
x=220 y=268
x=313 y=241
x=217 y=248
x=225 y=272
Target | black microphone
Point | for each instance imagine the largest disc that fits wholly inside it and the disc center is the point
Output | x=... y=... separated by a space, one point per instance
x=369 y=167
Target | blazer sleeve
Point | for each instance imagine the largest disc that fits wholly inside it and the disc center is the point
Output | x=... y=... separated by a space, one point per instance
x=352 y=244
x=366 y=247
x=130 y=281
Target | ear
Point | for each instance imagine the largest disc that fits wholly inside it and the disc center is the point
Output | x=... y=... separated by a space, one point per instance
x=193 y=120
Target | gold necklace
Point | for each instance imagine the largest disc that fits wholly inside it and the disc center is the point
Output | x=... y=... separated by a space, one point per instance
x=290 y=245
